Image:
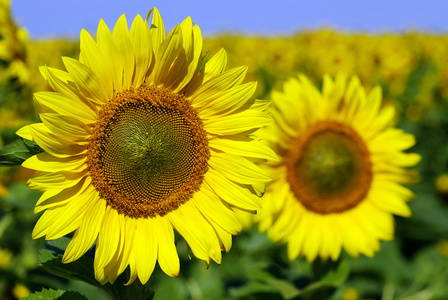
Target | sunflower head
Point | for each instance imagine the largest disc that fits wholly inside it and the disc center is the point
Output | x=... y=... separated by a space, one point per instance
x=141 y=138
x=341 y=167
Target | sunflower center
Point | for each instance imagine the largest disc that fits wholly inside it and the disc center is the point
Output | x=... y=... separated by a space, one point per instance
x=329 y=168
x=148 y=153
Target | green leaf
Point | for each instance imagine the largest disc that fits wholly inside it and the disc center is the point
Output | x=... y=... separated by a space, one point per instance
x=55 y=294
x=45 y=255
x=338 y=276
x=80 y=269
x=60 y=243
x=389 y=264
x=331 y=279
x=55 y=248
x=251 y=290
x=284 y=287
x=17 y=152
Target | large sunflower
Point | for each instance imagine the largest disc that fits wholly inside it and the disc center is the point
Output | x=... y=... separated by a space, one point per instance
x=141 y=138
x=338 y=181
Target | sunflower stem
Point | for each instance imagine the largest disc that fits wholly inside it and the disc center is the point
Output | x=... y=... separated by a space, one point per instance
x=137 y=291
x=322 y=267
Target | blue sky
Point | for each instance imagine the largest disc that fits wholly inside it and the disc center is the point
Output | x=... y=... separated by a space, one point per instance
x=65 y=18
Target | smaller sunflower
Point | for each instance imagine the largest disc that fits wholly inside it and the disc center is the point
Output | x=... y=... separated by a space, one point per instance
x=338 y=181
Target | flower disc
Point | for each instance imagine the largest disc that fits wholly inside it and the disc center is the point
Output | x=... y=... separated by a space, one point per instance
x=329 y=168
x=148 y=153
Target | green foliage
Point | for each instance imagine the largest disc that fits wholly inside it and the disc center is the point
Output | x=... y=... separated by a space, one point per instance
x=17 y=152
x=81 y=269
x=55 y=295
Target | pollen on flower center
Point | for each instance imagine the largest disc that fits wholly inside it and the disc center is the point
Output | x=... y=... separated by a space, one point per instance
x=329 y=168
x=148 y=153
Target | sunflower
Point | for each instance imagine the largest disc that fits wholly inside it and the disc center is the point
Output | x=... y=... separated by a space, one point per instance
x=338 y=181
x=142 y=138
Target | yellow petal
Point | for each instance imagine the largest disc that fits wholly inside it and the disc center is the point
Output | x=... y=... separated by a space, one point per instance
x=225 y=238
x=312 y=240
x=68 y=127
x=25 y=132
x=228 y=101
x=131 y=229
x=238 y=169
x=63 y=83
x=92 y=57
x=211 y=206
x=60 y=75
x=56 y=146
x=87 y=232
x=48 y=163
x=221 y=82
x=59 y=197
x=389 y=202
x=125 y=50
x=125 y=250
x=167 y=253
x=157 y=29
x=50 y=102
x=86 y=81
x=165 y=56
x=143 y=53
x=196 y=231
x=237 y=123
x=230 y=192
x=145 y=248
x=286 y=222
x=296 y=239
x=108 y=238
x=392 y=139
x=251 y=148
x=109 y=50
x=216 y=65
x=60 y=221
x=192 y=44
x=43 y=181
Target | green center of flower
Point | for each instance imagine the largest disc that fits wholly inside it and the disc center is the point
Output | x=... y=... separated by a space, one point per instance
x=148 y=153
x=149 y=147
x=329 y=168
x=329 y=162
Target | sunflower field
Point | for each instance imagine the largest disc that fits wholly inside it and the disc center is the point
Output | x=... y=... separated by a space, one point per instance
x=144 y=163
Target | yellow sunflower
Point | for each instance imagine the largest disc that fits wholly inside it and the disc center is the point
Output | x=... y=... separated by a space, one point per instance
x=141 y=138
x=338 y=181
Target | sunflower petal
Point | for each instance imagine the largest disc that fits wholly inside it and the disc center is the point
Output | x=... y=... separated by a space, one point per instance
x=143 y=54
x=86 y=81
x=125 y=50
x=50 y=102
x=48 y=163
x=92 y=58
x=238 y=169
x=167 y=254
x=88 y=230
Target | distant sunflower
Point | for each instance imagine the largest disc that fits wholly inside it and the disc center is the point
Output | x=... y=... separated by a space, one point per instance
x=341 y=167
x=141 y=138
